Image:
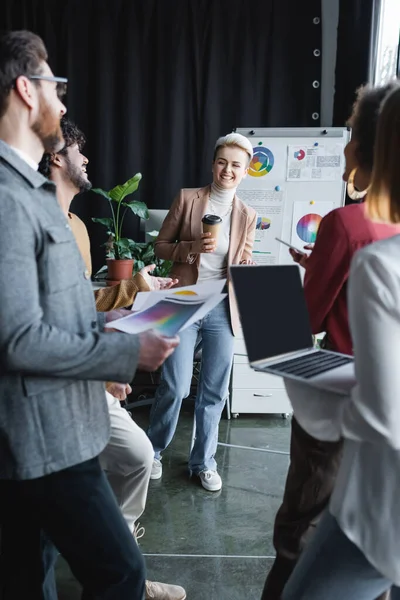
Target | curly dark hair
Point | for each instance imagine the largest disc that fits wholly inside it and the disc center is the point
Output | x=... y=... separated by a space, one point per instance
x=72 y=135
x=364 y=119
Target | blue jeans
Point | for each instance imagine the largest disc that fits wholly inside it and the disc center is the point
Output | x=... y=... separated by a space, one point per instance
x=213 y=389
x=332 y=567
x=74 y=509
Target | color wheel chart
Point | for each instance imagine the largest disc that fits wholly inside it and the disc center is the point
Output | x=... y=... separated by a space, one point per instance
x=307 y=227
x=307 y=217
x=262 y=162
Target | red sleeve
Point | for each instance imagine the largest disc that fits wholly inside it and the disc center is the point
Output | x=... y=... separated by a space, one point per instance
x=327 y=269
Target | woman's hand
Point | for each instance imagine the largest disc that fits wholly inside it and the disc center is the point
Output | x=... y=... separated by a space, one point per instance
x=299 y=258
x=204 y=244
x=247 y=261
x=119 y=390
x=156 y=283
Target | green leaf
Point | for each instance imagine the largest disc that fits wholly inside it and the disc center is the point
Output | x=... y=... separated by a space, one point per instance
x=120 y=192
x=106 y=221
x=153 y=233
x=140 y=245
x=138 y=208
x=122 y=248
x=163 y=268
x=148 y=255
x=139 y=264
x=101 y=193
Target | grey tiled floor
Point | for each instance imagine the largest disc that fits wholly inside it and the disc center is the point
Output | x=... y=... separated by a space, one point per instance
x=217 y=545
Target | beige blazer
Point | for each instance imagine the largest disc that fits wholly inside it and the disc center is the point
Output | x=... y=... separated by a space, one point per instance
x=182 y=227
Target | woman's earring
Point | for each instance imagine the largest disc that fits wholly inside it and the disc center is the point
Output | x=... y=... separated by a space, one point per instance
x=351 y=190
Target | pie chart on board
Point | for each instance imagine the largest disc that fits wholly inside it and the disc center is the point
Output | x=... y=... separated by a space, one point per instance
x=300 y=154
x=262 y=162
x=307 y=227
x=263 y=223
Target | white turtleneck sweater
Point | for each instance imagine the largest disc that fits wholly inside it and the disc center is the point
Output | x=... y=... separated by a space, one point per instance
x=213 y=265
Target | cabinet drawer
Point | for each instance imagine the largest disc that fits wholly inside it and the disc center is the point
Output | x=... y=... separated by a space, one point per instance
x=244 y=377
x=260 y=401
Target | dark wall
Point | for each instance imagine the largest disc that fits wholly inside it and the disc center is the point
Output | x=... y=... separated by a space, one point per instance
x=153 y=83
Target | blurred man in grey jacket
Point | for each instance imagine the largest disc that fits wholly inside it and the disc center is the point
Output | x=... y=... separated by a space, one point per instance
x=54 y=358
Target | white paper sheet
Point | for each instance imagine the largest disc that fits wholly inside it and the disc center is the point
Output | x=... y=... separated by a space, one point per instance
x=268 y=205
x=321 y=162
x=306 y=219
x=169 y=315
x=267 y=167
x=207 y=288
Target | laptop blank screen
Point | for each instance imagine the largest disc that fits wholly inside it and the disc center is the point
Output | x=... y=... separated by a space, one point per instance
x=272 y=310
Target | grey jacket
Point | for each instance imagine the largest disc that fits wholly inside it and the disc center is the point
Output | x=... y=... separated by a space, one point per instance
x=54 y=355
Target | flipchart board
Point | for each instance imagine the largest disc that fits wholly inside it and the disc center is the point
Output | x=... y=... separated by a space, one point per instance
x=294 y=180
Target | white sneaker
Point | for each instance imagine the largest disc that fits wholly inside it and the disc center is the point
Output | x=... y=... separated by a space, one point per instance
x=164 y=591
x=156 y=469
x=210 y=480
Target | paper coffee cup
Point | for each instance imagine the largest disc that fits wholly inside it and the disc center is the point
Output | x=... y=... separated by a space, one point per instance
x=211 y=224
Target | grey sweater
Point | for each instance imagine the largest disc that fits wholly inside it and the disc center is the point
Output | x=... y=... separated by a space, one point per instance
x=54 y=355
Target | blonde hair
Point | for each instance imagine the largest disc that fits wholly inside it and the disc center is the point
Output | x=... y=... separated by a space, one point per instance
x=383 y=198
x=234 y=139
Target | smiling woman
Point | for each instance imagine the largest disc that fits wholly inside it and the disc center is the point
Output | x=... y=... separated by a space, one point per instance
x=198 y=257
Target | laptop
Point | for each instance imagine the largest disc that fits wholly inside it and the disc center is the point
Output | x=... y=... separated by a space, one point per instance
x=277 y=331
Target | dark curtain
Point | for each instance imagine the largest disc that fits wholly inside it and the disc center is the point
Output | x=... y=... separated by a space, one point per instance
x=153 y=83
x=356 y=52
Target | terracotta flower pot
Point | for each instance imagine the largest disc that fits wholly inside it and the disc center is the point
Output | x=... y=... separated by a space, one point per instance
x=119 y=270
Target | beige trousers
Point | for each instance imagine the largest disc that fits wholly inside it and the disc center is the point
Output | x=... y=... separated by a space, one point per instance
x=127 y=461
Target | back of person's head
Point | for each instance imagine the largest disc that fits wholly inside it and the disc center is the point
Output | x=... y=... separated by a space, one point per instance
x=383 y=201
x=72 y=135
x=21 y=53
x=234 y=140
x=363 y=121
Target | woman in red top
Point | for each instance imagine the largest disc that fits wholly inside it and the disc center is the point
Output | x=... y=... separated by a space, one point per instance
x=314 y=464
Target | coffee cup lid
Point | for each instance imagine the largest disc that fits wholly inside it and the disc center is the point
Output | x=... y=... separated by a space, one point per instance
x=211 y=219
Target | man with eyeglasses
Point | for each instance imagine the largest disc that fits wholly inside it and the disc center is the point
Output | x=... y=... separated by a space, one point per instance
x=54 y=358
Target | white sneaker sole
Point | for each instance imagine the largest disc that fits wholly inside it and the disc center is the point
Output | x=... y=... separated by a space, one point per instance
x=211 y=488
x=156 y=475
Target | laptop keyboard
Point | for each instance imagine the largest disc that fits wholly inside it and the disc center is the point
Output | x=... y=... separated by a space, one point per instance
x=311 y=365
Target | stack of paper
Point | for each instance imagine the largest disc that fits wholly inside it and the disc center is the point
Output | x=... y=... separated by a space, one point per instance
x=171 y=311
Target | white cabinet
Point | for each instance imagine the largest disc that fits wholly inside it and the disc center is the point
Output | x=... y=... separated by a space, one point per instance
x=255 y=392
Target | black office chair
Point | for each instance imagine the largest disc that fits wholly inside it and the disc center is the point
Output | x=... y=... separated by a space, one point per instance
x=145 y=393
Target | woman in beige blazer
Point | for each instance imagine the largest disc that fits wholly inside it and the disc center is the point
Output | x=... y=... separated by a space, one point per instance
x=197 y=257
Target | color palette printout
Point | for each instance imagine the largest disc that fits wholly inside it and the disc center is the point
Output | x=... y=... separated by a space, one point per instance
x=167 y=316
x=170 y=312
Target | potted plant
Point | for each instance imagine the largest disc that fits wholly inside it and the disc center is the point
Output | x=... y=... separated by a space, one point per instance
x=144 y=254
x=119 y=256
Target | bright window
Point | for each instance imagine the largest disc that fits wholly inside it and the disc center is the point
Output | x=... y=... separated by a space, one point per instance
x=388 y=42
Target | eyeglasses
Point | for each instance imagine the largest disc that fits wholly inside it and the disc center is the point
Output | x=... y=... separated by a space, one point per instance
x=61 y=87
